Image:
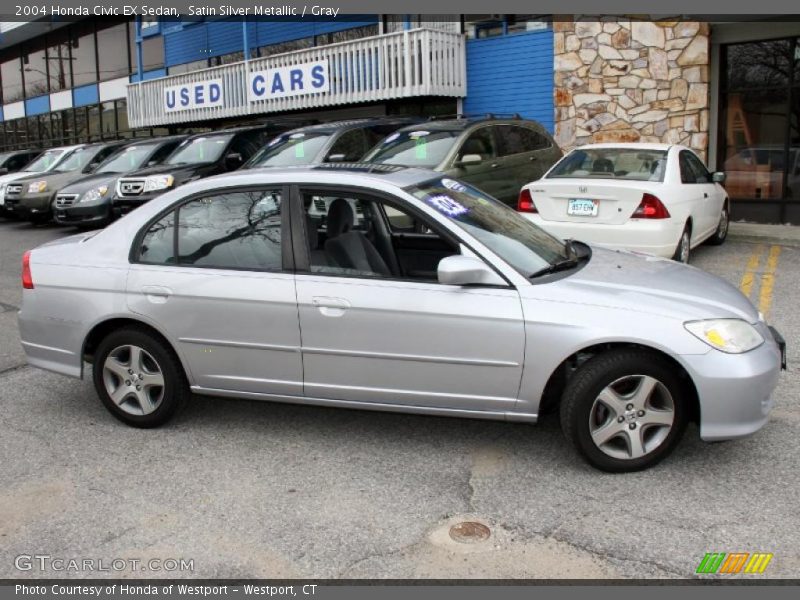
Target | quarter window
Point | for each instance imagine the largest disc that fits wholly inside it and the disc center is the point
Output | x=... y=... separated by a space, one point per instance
x=514 y=139
x=158 y=244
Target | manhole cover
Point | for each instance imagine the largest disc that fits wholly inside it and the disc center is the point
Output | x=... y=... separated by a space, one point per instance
x=469 y=532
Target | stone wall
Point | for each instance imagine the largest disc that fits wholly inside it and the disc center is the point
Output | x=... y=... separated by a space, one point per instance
x=631 y=81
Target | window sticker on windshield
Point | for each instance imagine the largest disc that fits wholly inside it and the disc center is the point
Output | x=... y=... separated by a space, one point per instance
x=447 y=205
x=391 y=138
x=420 y=149
x=454 y=185
x=299 y=150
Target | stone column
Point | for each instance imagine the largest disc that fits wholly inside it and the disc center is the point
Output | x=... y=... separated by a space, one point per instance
x=620 y=80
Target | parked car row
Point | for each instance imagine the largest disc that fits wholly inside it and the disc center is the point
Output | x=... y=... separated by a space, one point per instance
x=654 y=198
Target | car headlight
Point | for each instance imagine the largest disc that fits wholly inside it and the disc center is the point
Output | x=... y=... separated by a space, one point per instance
x=37 y=187
x=158 y=182
x=94 y=194
x=733 y=336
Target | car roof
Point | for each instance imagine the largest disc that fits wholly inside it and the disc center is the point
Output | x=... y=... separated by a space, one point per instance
x=628 y=145
x=334 y=126
x=393 y=174
x=464 y=122
x=158 y=140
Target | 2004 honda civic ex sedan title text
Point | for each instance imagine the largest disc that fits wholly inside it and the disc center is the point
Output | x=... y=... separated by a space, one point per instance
x=411 y=292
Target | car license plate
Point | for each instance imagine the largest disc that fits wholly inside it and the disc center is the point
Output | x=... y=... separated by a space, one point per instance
x=582 y=207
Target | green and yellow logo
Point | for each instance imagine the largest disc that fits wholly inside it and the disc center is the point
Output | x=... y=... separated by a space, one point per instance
x=734 y=562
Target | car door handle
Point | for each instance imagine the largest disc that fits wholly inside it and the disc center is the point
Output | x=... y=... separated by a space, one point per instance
x=330 y=307
x=705 y=194
x=156 y=293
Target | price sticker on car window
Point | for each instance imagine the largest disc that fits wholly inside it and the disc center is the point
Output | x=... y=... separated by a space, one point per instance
x=299 y=150
x=451 y=184
x=420 y=148
x=446 y=205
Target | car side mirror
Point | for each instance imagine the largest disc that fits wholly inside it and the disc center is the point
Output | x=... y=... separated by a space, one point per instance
x=466 y=270
x=469 y=159
x=233 y=161
x=336 y=157
x=718 y=177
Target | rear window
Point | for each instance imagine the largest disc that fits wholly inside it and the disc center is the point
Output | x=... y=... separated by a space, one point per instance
x=612 y=163
x=419 y=148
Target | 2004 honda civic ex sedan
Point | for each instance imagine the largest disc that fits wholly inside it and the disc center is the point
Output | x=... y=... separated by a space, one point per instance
x=415 y=293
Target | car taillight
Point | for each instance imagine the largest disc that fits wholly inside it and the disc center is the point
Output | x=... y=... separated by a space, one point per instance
x=525 y=202
x=27 y=278
x=650 y=208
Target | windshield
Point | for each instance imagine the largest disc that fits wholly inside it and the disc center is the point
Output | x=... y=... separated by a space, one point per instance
x=503 y=230
x=612 y=163
x=419 y=148
x=78 y=159
x=128 y=159
x=290 y=149
x=200 y=150
x=45 y=161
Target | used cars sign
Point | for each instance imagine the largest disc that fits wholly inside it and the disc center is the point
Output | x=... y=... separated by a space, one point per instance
x=284 y=82
x=200 y=94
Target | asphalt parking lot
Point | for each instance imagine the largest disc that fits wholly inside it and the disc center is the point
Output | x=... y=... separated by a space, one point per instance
x=253 y=489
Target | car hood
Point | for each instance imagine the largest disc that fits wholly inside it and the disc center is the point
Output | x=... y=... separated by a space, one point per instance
x=641 y=283
x=9 y=177
x=55 y=180
x=89 y=182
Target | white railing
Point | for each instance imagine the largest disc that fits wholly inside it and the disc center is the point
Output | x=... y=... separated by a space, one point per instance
x=418 y=62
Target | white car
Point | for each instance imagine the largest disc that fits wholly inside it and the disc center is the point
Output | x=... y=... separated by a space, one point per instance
x=47 y=161
x=653 y=198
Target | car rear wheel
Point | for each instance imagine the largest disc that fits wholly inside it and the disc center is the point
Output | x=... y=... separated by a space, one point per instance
x=624 y=410
x=722 y=228
x=684 y=245
x=139 y=380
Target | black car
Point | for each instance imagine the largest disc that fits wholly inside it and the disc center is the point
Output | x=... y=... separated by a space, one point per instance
x=338 y=141
x=13 y=161
x=87 y=202
x=200 y=155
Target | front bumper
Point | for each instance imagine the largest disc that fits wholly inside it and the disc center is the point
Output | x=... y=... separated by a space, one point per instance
x=80 y=214
x=28 y=206
x=735 y=390
x=121 y=205
x=658 y=237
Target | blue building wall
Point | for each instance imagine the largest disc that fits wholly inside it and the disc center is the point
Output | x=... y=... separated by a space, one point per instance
x=200 y=40
x=512 y=74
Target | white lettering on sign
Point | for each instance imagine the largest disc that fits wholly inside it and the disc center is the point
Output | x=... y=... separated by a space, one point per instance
x=200 y=94
x=283 y=82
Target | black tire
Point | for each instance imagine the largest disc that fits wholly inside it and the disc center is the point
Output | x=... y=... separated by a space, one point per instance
x=578 y=408
x=683 y=250
x=172 y=395
x=721 y=234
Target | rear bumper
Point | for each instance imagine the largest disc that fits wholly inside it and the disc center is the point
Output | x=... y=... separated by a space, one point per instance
x=659 y=237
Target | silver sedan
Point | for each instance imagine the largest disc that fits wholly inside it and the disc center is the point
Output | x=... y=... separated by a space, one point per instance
x=413 y=292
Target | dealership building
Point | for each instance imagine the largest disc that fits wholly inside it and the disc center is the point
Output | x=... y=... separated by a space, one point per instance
x=729 y=90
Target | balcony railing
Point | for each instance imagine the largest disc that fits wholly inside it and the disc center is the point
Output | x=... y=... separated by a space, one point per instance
x=418 y=62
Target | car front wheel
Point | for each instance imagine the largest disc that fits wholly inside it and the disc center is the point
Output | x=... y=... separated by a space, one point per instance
x=138 y=378
x=624 y=410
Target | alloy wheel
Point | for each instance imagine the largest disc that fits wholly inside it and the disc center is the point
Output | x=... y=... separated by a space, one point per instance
x=133 y=379
x=631 y=417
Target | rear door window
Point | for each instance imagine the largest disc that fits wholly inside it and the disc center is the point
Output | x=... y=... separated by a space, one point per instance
x=515 y=139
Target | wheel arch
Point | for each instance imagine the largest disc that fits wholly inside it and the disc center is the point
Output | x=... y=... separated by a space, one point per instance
x=103 y=328
x=551 y=396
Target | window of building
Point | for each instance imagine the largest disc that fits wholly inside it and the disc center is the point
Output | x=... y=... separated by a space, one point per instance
x=188 y=67
x=93 y=117
x=84 y=58
x=123 y=128
x=759 y=127
x=152 y=53
x=227 y=59
x=112 y=51
x=11 y=76
x=289 y=46
x=484 y=26
x=58 y=60
x=34 y=65
x=346 y=35
x=108 y=120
